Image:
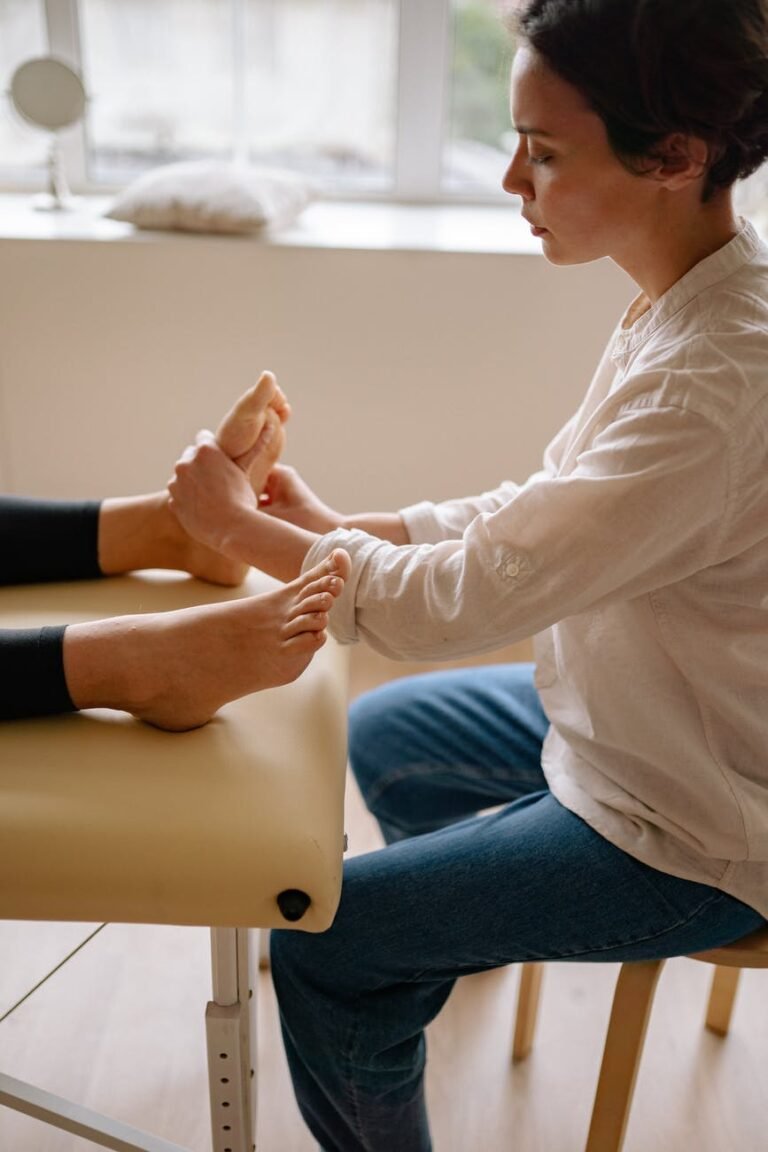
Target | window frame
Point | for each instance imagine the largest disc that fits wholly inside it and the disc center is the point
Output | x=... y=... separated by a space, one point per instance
x=425 y=47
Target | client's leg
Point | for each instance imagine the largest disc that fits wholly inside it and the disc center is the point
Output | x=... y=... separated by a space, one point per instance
x=141 y=532
x=176 y=669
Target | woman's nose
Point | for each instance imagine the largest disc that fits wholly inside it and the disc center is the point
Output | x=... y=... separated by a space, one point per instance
x=516 y=180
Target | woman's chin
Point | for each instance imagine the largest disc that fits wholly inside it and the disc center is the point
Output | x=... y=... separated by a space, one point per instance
x=561 y=255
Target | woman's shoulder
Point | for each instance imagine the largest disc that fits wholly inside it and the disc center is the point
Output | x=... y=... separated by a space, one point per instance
x=718 y=373
x=713 y=355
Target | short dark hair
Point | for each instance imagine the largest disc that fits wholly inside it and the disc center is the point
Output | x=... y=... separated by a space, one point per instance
x=650 y=68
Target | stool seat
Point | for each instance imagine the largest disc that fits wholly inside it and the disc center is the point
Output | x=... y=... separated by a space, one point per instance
x=749 y=952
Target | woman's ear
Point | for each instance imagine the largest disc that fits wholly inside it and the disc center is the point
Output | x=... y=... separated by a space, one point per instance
x=679 y=160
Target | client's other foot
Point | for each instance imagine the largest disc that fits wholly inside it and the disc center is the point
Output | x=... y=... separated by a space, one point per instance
x=138 y=532
x=174 y=670
x=252 y=433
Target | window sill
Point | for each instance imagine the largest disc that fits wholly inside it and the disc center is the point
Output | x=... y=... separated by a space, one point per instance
x=349 y=225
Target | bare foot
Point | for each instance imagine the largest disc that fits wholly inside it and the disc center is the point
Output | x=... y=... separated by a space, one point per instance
x=141 y=532
x=252 y=433
x=174 y=670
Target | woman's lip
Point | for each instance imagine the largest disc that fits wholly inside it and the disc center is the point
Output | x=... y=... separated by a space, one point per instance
x=537 y=231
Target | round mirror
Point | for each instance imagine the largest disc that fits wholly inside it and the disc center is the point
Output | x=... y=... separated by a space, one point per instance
x=48 y=93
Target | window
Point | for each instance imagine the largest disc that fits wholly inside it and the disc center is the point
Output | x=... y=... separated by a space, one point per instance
x=480 y=139
x=22 y=34
x=394 y=98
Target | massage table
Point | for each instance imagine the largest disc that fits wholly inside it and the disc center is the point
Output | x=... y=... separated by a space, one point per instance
x=236 y=826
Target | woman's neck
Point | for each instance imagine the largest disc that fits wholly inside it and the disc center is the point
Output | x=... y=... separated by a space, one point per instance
x=666 y=247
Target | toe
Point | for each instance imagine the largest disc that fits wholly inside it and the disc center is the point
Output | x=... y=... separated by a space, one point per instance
x=306 y=622
x=315 y=602
x=240 y=428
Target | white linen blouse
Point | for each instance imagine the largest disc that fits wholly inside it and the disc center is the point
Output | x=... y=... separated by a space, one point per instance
x=638 y=556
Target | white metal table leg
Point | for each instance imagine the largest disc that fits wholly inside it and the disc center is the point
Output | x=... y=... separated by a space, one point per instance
x=230 y=1022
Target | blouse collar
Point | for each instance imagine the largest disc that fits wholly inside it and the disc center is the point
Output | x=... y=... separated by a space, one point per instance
x=641 y=320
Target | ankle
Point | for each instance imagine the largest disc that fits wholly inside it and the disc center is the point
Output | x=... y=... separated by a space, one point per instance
x=137 y=532
x=105 y=664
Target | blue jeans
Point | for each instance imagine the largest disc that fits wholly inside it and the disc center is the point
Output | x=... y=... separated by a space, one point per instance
x=450 y=895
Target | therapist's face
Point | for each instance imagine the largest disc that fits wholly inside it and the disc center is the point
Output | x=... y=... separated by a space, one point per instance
x=577 y=195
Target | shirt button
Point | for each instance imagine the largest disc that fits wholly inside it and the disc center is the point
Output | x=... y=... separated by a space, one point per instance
x=511 y=568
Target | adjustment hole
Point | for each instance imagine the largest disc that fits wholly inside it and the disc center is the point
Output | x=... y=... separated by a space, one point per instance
x=223 y=1056
x=224 y=1080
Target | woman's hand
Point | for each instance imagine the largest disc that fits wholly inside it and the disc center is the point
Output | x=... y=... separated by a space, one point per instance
x=211 y=496
x=213 y=500
x=287 y=497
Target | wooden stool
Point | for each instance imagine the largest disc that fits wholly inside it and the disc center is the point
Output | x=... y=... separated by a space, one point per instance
x=630 y=1012
x=235 y=826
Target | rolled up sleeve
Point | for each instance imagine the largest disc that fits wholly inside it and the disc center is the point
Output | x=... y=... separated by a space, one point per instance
x=641 y=507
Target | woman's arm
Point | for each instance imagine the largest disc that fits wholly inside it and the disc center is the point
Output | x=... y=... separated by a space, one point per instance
x=288 y=497
x=640 y=509
x=215 y=503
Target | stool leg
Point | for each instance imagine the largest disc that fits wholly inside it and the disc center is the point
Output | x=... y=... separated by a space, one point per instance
x=724 y=984
x=632 y=1002
x=527 y=1009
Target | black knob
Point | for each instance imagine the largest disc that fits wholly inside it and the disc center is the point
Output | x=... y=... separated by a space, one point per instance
x=293 y=903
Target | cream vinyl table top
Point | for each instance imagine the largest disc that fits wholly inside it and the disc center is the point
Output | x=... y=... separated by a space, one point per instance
x=105 y=818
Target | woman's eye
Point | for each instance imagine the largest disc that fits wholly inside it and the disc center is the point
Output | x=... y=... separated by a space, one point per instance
x=539 y=159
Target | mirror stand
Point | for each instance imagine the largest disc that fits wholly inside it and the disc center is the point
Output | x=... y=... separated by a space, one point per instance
x=47 y=93
x=57 y=197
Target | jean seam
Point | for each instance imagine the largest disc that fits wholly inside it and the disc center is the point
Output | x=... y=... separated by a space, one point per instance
x=348 y=1057
x=682 y=920
x=425 y=769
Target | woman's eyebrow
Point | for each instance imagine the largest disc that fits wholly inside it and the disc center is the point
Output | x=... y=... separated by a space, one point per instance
x=524 y=131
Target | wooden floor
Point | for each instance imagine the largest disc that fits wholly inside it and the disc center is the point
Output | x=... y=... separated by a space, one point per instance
x=120 y=1027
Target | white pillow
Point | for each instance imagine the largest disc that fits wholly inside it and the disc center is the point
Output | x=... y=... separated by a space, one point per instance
x=213 y=196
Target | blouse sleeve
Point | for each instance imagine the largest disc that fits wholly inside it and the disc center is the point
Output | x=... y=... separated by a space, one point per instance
x=642 y=507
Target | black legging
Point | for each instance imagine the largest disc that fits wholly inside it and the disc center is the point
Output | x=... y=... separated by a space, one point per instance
x=41 y=541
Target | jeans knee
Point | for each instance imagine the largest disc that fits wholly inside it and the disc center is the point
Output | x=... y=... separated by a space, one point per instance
x=290 y=955
x=368 y=723
x=308 y=968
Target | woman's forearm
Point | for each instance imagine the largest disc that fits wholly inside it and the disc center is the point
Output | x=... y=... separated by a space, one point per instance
x=385 y=525
x=272 y=545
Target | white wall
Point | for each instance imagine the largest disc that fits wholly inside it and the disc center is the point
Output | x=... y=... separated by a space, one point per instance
x=412 y=374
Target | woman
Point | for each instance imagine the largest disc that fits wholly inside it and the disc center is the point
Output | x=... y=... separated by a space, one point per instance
x=630 y=776
x=172 y=669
